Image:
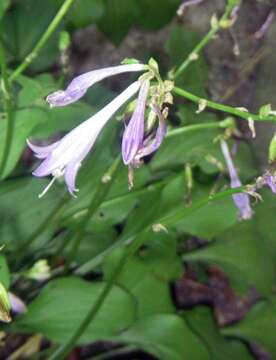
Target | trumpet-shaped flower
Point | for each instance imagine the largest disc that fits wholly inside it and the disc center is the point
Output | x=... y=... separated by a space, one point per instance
x=64 y=157
x=241 y=200
x=79 y=85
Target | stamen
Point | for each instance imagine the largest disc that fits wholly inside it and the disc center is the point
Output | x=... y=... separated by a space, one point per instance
x=56 y=174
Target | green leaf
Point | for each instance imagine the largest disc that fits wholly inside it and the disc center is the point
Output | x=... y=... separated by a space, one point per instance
x=119 y=16
x=167 y=337
x=209 y=221
x=21 y=30
x=3 y=6
x=251 y=240
x=4 y=272
x=157 y=13
x=22 y=212
x=86 y=12
x=150 y=289
x=258 y=326
x=62 y=304
x=25 y=121
x=265 y=110
x=200 y=321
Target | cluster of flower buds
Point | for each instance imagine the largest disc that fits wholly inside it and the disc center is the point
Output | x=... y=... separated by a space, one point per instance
x=140 y=138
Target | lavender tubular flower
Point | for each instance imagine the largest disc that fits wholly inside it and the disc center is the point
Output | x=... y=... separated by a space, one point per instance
x=65 y=156
x=134 y=132
x=241 y=200
x=270 y=181
x=79 y=85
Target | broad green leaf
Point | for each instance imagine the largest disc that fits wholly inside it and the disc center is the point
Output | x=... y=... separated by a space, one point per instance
x=21 y=30
x=167 y=337
x=4 y=272
x=3 y=6
x=86 y=12
x=258 y=326
x=25 y=121
x=246 y=240
x=157 y=13
x=62 y=304
x=150 y=289
x=119 y=16
x=93 y=243
x=22 y=212
x=201 y=322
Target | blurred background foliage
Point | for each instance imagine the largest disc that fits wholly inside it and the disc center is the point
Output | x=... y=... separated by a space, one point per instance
x=202 y=289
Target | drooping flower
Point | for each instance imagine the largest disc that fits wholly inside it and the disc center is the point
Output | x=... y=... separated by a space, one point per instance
x=241 y=200
x=270 y=180
x=152 y=143
x=64 y=157
x=134 y=132
x=134 y=144
x=79 y=85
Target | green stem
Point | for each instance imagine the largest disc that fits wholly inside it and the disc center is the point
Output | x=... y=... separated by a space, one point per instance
x=133 y=246
x=96 y=201
x=5 y=87
x=44 y=38
x=201 y=126
x=224 y=108
x=207 y=38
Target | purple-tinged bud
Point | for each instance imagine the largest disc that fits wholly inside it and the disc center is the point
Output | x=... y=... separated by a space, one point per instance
x=151 y=145
x=79 y=85
x=241 y=200
x=134 y=132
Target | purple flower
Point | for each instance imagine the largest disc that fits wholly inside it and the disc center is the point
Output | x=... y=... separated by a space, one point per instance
x=270 y=181
x=79 y=85
x=151 y=144
x=134 y=146
x=134 y=132
x=64 y=157
x=241 y=200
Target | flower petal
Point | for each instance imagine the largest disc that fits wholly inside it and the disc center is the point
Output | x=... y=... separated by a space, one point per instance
x=134 y=132
x=151 y=146
x=241 y=201
x=270 y=181
x=42 y=151
x=79 y=85
x=70 y=176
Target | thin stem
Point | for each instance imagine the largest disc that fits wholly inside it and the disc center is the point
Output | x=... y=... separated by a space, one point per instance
x=97 y=199
x=5 y=87
x=201 y=126
x=134 y=244
x=42 y=41
x=207 y=38
x=243 y=114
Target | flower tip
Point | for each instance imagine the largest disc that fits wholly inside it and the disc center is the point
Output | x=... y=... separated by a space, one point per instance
x=57 y=98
